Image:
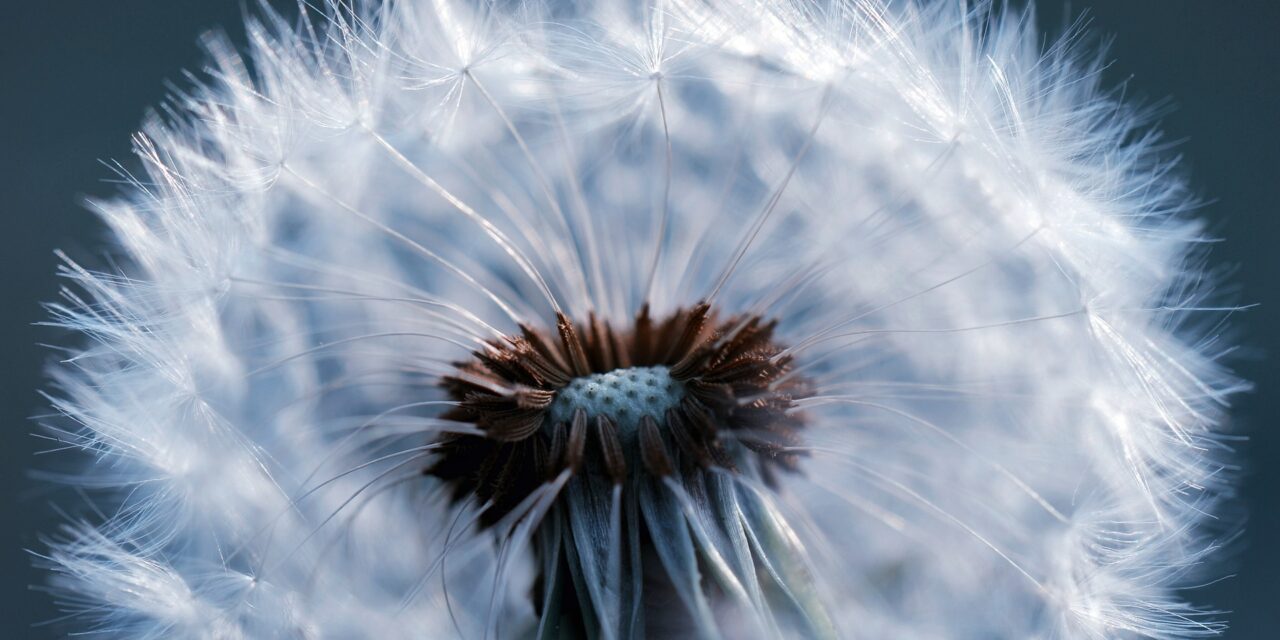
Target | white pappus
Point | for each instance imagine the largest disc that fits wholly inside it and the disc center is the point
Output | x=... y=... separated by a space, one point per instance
x=677 y=318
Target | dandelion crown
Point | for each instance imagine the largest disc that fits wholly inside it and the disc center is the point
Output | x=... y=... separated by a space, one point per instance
x=635 y=419
x=662 y=319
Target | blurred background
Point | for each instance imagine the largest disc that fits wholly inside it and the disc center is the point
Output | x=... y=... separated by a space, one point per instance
x=79 y=75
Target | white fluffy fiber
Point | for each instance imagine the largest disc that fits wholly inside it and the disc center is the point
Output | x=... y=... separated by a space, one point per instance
x=979 y=256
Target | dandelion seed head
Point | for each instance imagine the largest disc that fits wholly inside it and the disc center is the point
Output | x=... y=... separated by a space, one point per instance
x=618 y=320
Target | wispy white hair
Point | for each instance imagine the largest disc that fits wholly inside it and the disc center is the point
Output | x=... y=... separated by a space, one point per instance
x=982 y=260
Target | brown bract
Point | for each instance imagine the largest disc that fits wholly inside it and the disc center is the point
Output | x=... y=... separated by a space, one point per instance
x=737 y=396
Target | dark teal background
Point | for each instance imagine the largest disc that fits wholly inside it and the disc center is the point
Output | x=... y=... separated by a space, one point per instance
x=78 y=75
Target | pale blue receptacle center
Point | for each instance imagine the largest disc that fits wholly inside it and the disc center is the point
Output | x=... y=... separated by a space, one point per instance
x=622 y=395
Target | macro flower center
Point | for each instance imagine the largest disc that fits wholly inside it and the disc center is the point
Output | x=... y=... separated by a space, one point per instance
x=598 y=442
x=624 y=396
x=657 y=398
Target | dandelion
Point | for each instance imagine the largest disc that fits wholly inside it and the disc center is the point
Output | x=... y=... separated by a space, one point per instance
x=681 y=318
